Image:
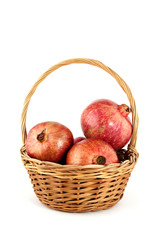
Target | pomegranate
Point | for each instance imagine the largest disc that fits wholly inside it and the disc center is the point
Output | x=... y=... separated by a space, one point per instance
x=106 y=120
x=91 y=151
x=78 y=139
x=49 y=141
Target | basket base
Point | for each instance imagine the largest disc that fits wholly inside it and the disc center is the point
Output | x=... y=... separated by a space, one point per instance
x=78 y=195
x=79 y=210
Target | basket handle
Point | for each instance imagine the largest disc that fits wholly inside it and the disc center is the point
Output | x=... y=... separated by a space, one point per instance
x=121 y=82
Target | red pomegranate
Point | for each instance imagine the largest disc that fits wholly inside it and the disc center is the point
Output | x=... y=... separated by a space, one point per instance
x=49 y=141
x=78 y=139
x=106 y=120
x=91 y=151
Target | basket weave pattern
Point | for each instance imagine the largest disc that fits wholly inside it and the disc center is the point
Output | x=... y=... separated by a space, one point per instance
x=80 y=188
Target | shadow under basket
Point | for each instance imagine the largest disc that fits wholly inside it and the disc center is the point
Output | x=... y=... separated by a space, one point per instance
x=80 y=188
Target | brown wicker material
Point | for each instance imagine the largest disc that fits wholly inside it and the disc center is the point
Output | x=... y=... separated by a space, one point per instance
x=80 y=188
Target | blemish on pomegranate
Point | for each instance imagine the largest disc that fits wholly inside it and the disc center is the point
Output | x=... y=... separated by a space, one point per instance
x=102 y=129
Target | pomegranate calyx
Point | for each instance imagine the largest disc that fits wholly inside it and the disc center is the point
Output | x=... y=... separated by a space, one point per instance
x=101 y=160
x=40 y=137
x=124 y=110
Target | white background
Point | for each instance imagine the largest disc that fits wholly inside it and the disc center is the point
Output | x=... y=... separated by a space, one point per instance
x=38 y=34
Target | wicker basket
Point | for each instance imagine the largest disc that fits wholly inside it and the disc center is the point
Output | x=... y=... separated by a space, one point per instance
x=80 y=188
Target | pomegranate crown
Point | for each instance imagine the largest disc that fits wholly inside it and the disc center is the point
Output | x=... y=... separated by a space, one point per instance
x=124 y=110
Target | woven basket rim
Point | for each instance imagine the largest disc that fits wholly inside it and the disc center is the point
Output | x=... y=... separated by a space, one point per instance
x=52 y=164
x=77 y=171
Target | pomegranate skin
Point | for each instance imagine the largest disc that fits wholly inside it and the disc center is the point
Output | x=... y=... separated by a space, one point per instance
x=78 y=139
x=91 y=151
x=49 y=141
x=106 y=120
